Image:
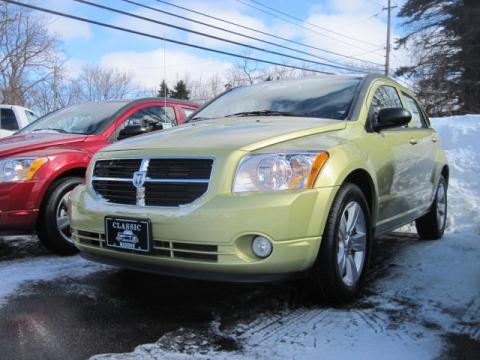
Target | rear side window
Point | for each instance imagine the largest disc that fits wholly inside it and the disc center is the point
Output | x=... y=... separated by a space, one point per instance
x=418 y=120
x=8 y=120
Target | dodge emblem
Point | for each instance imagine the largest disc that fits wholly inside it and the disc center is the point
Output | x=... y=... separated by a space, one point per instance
x=139 y=178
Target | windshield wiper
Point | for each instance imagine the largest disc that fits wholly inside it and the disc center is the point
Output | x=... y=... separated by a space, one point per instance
x=51 y=129
x=264 y=113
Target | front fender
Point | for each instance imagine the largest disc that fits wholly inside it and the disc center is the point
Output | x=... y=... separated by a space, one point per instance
x=59 y=162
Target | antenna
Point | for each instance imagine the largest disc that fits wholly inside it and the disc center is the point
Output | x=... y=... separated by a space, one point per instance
x=165 y=74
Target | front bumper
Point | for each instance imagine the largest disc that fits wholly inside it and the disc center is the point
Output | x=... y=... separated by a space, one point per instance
x=293 y=221
x=19 y=205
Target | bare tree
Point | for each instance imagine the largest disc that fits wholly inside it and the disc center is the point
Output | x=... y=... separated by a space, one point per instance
x=97 y=83
x=203 y=90
x=29 y=55
x=55 y=93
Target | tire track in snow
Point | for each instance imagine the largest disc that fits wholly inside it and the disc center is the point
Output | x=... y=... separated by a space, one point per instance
x=470 y=321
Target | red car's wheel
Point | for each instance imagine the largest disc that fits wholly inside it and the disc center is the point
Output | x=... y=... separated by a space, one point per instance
x=53 y=225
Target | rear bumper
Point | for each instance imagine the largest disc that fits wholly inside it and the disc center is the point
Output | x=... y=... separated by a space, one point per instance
x=19 y=206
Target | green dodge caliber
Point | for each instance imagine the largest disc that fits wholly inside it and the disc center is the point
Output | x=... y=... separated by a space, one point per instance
x=283 y=179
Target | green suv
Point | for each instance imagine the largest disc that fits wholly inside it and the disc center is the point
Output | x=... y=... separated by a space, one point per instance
x=282 y=179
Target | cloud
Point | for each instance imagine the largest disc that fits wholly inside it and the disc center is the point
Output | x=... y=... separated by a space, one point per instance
x=364 y=33
x=149 y=27
x=232 y=15
x=68 y=30
x=65 y=29
x=148 y=70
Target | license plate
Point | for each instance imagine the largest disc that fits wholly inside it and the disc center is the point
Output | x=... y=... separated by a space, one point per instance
x=131 y=235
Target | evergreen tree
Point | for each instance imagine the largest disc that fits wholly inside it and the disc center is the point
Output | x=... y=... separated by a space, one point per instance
x=445 y=38
x=180 y=91
x=164 y=91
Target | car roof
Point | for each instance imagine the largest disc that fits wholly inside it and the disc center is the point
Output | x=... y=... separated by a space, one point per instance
x=147 y=99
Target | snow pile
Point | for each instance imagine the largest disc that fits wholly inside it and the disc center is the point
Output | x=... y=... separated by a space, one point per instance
x=461 y=140
x=431 y=292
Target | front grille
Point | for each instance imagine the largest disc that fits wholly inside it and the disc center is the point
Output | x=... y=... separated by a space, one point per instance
x=167 y=182
x=161 y=248
x=123 y=169
x=180 y=169
x=187 y=251
x=173 y=194
x=89 y=238
x=116 y=192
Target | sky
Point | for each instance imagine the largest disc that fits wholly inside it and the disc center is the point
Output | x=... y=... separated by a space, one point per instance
x=355 y=28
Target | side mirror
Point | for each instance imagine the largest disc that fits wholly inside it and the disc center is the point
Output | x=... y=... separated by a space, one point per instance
x=391 y=117
x=133 y=130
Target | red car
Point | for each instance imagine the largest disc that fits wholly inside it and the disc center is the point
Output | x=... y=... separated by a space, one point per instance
x=43 y=162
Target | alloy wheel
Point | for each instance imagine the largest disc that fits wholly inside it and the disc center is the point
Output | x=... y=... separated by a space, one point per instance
x=441 y=205
x=63 y=223
x=352 y=243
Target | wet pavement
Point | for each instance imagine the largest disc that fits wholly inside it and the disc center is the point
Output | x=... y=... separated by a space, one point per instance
x=112 y=310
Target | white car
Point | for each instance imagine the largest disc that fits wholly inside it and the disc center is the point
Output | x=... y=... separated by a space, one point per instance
x=13 y=118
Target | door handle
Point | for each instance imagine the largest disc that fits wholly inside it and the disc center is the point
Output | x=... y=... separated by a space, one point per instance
x=413 y=142
x=434 y=139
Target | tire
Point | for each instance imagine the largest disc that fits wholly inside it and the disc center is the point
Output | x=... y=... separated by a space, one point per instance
x=334 y=279
x=431 y=226
x=57 y=238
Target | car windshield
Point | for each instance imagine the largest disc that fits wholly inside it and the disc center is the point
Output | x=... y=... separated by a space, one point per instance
x=85 y=119
x=323 y=97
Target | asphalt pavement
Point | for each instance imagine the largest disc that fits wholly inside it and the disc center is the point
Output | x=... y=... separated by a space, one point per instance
x=113 y=310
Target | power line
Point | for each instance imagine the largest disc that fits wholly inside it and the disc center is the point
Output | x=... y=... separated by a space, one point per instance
x=361 y=20
x=264 y=33
x=216 y=37
x=306 y=22
x=231 y=31
x=370 y=51
x=90 y=21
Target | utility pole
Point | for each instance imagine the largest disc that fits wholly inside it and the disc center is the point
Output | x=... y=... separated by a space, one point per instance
x=387 y=47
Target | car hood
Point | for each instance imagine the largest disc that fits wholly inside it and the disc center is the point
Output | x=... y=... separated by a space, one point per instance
x=246 y=134
x=21 y=143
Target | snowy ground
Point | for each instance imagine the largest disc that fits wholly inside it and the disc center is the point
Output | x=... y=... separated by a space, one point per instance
x=422 y=300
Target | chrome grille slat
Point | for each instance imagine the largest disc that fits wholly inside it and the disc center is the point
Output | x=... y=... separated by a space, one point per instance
x=164 y=182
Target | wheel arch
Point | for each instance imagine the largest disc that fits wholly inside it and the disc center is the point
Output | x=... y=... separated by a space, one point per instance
x=445 y=172
x=71 y=172
x=364 y=181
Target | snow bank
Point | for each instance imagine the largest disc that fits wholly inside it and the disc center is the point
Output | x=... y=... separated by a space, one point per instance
x=461 y=140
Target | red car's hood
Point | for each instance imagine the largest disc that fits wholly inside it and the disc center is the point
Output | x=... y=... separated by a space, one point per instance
x=21 y=143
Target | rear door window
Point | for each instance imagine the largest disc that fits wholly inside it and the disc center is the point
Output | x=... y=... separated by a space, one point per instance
x=8 y=120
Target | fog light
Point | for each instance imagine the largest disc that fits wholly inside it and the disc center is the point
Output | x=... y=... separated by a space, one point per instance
x=261 y=246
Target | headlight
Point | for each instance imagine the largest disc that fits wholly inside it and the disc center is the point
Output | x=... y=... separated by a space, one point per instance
x=18 y=169
x=272 y=172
